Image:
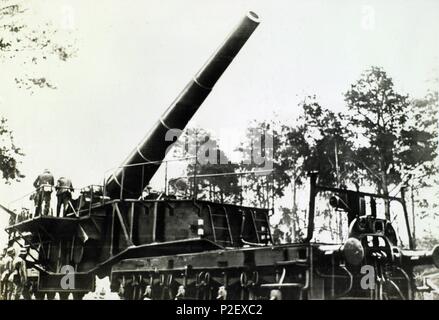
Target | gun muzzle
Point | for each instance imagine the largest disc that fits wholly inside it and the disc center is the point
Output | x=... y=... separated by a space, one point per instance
x=353 y=251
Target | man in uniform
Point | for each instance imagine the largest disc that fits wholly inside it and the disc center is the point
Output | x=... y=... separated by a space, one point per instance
x=35 y=198
x=17 y=277
x=181 y=293
x=2 y=269
x=222 y=293
x=44 y=184
x=64 y=190
x=7 y=267
x=13 y=217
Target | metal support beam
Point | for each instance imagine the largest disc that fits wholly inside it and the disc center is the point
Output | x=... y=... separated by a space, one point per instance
x=112 y=231
x=122 y=224
x=406 y=217
x=312 y=205
x=131 y=221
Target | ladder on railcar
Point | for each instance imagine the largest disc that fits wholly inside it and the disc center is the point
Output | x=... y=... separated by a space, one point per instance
x=221 y=230
x=261 y=225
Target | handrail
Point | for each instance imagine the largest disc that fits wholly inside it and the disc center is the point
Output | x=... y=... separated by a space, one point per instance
x=158 y=162
x=88 y=190
x=84 y=188
x=224 y=174
x=38 y=189
x=142 y=164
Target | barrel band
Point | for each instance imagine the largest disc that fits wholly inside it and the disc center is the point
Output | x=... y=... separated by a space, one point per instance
x=141 y=154
x=164 y=124
x=115 y=180
x=201 y=85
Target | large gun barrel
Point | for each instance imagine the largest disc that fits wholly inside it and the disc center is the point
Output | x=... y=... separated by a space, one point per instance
x=131 y=178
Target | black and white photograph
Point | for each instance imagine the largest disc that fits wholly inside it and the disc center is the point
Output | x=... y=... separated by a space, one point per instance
x=219 y=150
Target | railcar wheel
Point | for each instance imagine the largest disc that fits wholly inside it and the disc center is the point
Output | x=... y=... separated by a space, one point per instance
x=78 y=295
x=27 y=293
x=51 y=295
x=39 y=295
x=64 y=295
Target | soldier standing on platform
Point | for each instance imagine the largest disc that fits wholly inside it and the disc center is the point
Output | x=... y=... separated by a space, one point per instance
x=44 y=184
x=64 y=189
x=35 y=198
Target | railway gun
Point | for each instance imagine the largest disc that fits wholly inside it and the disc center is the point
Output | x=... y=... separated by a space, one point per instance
x=162 y=247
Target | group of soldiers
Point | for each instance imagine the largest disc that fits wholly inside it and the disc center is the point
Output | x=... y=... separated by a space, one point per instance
x=44 y=185
x=13 y=274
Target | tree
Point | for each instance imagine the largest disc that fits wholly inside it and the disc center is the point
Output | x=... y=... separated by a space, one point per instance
x=423 y=138
x=9 y=154
x=212 y=171
x=287 y=229
x=330 y=151
x=378 y=121
x=258 y=155
x=28 y=42
x=290 y=159
x=317 y=142
x=424 y=117
x=283 y=149
x=330 y=154
x=25 y=45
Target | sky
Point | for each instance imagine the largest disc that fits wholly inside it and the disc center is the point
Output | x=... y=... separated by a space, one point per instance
x=134 y=57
